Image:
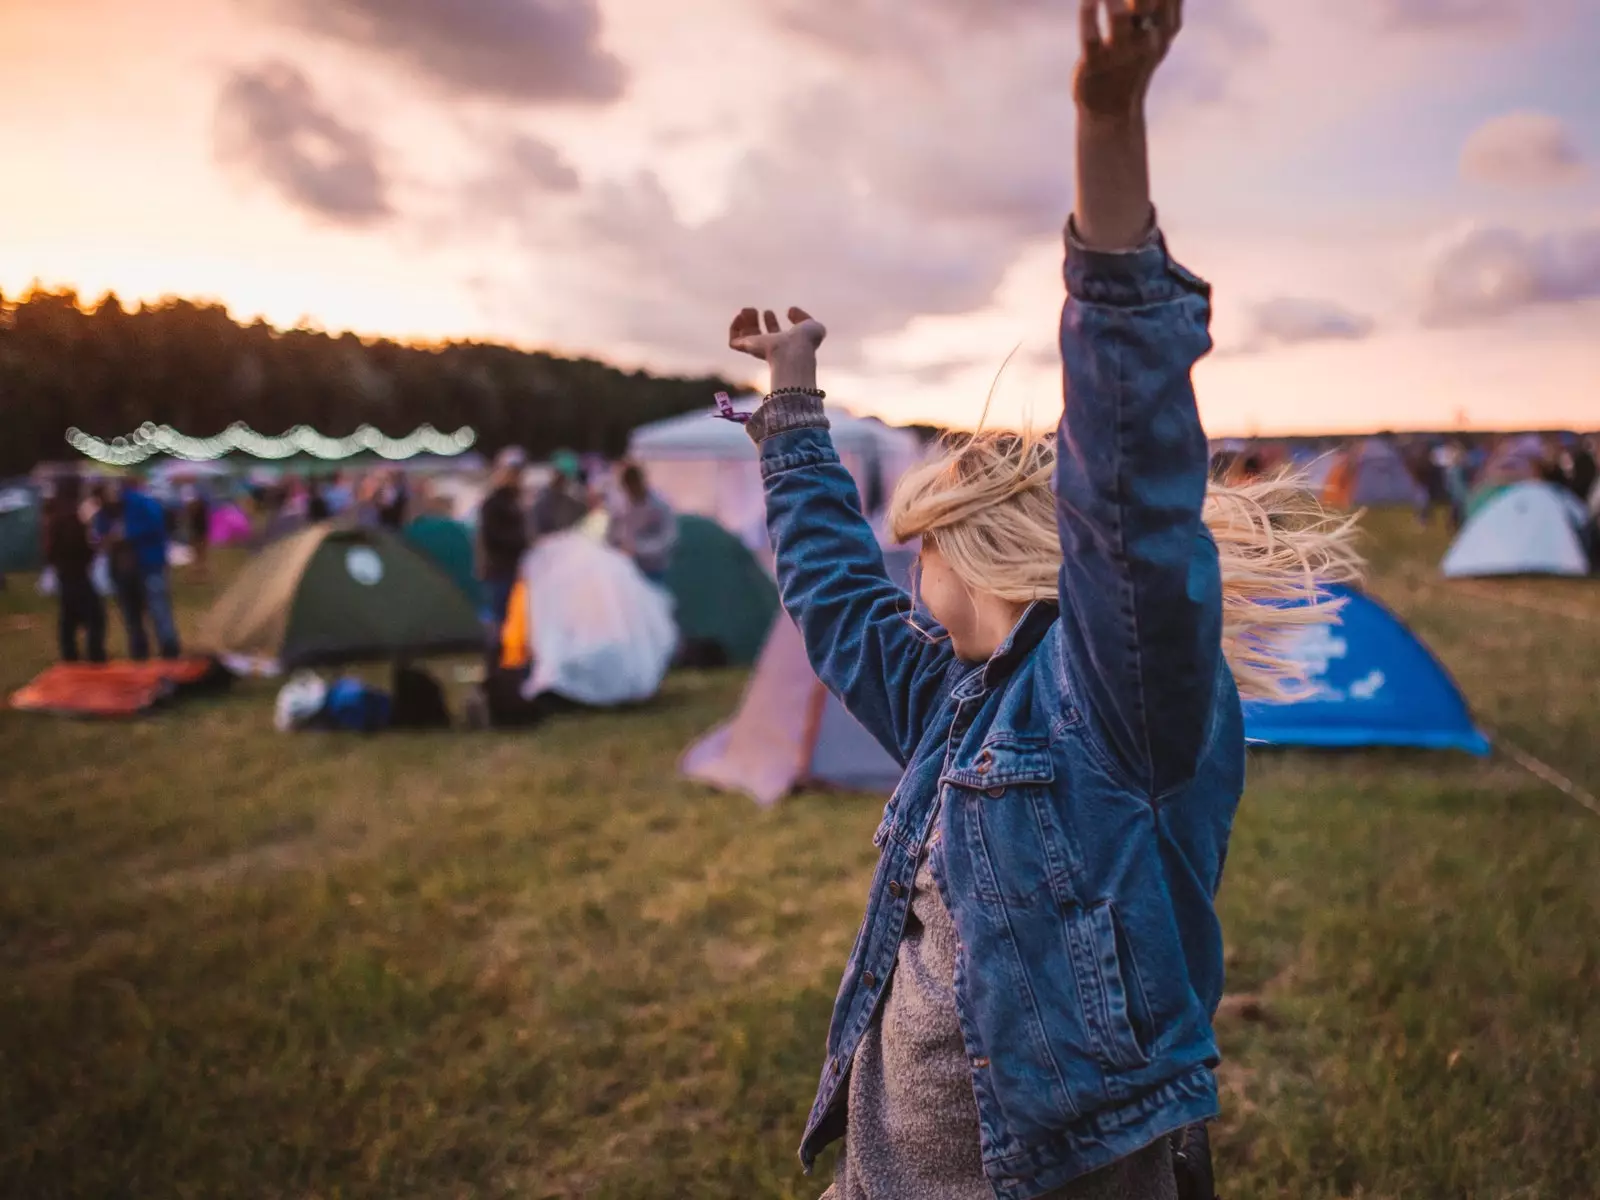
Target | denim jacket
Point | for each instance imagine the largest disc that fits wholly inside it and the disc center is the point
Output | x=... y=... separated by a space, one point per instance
x=1088 y=771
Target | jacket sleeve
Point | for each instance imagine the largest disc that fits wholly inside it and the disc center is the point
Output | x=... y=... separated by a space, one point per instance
x=832 y=580
x=1141 y=589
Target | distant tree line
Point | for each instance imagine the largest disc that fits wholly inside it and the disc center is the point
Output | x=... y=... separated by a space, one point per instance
x=106 y=370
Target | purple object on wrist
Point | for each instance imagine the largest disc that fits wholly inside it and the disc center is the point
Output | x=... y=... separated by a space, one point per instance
x=726 y=411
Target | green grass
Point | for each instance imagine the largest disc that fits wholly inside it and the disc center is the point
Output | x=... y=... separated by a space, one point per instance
x=239 y=964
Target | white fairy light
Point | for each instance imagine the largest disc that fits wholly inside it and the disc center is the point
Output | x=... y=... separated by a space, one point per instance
x=150 y=439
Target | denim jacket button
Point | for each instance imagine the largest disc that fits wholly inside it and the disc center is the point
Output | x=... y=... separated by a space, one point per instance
x=984 y=760
x=869 y=980
x=896 y=888
x=995 y=793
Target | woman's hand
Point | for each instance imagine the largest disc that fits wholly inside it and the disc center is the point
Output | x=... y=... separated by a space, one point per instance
x=1114 y=74
x=791 y=353
x=1115 y=71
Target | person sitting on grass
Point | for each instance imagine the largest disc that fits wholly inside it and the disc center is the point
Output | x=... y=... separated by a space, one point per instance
x=1028 y=1008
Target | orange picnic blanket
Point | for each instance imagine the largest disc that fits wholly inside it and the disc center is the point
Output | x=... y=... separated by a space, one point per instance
x=115 y=689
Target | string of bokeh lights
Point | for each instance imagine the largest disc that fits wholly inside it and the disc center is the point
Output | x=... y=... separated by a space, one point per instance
x=150 y=439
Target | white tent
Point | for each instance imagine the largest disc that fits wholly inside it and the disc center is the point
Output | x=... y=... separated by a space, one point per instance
x=1528 y=529
x=710 y=468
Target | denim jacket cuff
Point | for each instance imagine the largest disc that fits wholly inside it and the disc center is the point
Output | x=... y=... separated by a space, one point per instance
x=1143 y=275
x=779 y=414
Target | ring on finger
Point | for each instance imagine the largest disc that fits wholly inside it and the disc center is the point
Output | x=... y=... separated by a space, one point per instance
x=1144 y=23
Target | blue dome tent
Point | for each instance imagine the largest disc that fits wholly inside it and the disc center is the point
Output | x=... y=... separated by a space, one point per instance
x=1377 y=685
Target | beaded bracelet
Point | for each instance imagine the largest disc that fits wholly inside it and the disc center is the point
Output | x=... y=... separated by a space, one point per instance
x=796 y=391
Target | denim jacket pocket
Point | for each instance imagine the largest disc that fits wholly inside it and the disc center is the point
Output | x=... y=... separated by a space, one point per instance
x=1109 y=988
x=1005 y=800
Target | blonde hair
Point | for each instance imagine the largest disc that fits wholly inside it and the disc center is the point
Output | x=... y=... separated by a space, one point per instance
x=986 y=502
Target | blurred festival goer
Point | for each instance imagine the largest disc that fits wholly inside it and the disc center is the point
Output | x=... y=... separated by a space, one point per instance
x=644 y=527
x=68 y=551
x=317 y=507
x=1451 y=460
x=564 y=502
x=126 y=580
x=197 y=525
x=144 y=524
x=392 y=500
x=1582 y=473
x=502 y=538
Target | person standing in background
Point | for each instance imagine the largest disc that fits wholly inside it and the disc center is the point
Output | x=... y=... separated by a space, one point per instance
x=126 y=581
x=68 y=551
x=392 y=500
x=144 y=524
x=564 y=502
x=197 y=525
x=502 y=539
x=644 y=527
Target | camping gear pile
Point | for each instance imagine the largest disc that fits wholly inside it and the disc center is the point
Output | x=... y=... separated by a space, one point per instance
x=347 y=705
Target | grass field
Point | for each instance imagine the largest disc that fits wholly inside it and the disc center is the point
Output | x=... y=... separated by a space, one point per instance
x=240 y=964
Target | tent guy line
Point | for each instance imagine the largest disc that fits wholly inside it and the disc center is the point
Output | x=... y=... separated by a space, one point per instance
x=1544 y=771
x=1553 y=610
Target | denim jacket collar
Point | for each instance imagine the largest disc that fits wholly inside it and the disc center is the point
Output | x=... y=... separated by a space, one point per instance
x=1027 y=633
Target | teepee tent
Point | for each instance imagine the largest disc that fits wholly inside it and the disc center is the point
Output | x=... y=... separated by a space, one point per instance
x=1526 y=529
x=790 y=731
x=330 y=594
x=1377 y=685
x=1371 y=474
x=710 y=468
x=725 y=601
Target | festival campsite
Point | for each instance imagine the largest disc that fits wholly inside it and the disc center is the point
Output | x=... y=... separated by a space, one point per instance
x=799 y=601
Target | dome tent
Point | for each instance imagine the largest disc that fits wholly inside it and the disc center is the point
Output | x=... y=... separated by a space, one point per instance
x=1524 y=529
x=723 y=597
x=1371 y=474
x=1376 y=685
x=332 y=594
x=448 y=545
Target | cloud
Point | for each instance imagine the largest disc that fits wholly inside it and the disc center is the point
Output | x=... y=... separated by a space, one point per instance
x=271 y=124
x=525 y=178
x=903 y=185
x=1528 y=148
x=1486 y=272
x=1295 y=321
x=1450 y=15
x=935 y=37
x=532 y=51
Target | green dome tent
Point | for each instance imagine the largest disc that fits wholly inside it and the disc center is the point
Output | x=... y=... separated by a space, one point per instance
x=21 y=519
x=448 y=545
x=331 y=594
x=726 y=603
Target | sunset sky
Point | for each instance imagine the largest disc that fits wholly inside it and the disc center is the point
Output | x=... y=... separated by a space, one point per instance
x=1398 y=201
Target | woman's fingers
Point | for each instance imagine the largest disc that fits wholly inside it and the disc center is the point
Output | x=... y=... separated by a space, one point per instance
x=797 y=315
x=772 y=321
x=1089 y=23
x=744 y=324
